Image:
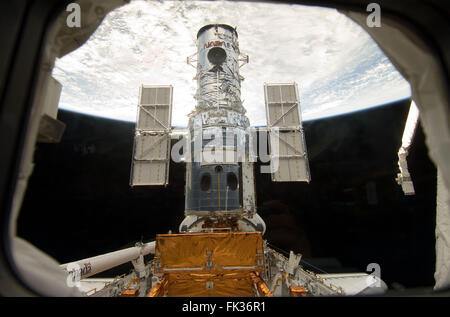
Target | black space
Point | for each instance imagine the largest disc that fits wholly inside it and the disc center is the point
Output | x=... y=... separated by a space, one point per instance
x=79 y=202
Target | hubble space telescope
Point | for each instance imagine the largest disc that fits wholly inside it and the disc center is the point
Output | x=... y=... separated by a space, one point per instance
x=219 y=146
x=219 y=250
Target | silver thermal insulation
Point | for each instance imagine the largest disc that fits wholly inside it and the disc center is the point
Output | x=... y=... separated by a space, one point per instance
x=218 y=137
x=219 y=84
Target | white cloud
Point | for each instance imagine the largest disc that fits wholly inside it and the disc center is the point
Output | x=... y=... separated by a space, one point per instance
x=335 y=63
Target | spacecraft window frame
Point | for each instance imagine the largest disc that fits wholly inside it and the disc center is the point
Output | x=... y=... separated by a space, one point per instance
x=22 y=76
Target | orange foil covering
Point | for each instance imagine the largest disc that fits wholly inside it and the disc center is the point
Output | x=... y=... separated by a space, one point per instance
x=209 y=264
x=297 y=291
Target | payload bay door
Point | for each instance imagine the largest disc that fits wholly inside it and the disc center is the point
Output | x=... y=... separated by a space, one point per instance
x=151 y=151
x=288 y=156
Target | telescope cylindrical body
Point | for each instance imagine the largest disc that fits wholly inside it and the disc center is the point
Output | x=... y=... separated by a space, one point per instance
x=218 y=122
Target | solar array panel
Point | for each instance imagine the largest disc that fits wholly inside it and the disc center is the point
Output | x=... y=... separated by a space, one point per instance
x=288 y=156
x=151 y=153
